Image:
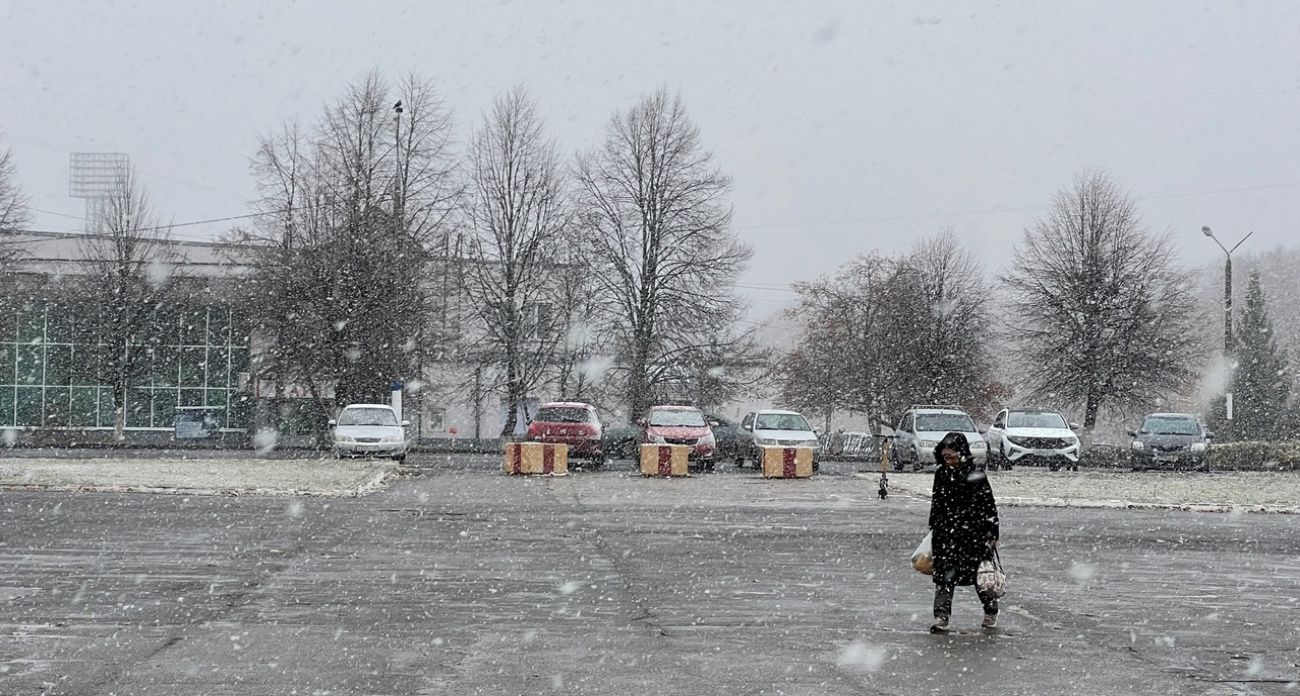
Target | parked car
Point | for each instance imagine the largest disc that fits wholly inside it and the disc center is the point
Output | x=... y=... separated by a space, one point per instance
x=369 y=429
x=620 y=442
x=574 y=424
x=679 y=425
x=1032 y=436
x=922 y=427
x=725 y=434
x=1170 y=440
x=773 y=428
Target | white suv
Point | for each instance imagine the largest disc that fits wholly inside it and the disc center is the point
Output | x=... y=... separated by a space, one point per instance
x=922 y=427
x=1031 y=436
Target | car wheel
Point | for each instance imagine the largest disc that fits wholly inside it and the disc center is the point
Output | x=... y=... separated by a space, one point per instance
x=709 y=466
x=1053 y=466
x=740 y=462
x=597 y=461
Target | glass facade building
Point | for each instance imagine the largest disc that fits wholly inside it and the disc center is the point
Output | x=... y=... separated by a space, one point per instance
x=199 y=357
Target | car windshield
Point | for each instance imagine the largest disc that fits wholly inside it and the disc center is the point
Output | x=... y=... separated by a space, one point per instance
x=367 y=416
x=944 y=422
x=1170 y=426
x=1035 y=419
x=780 y=421
x=561 y=415
x=690 y=418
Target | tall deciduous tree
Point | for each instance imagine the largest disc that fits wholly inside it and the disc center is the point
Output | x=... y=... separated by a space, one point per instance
x=14 y=214
x=1103 y=313
x=655 y=207
x=887 y=332
x=517 y=216
x=1262 y=378
x=355 y=221
x=128 y=295
x=948 y=339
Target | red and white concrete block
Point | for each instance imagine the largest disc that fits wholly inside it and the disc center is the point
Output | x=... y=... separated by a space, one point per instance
x=537 y=458
x=665 y=460
x=787 y=462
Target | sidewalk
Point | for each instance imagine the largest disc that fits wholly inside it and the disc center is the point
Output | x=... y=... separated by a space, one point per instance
x=198 y=475
x=1229 y=491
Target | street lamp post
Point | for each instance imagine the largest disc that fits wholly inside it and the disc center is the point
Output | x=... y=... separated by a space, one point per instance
x=1227 y=308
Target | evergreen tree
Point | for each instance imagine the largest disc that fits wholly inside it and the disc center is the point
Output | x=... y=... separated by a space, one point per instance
x=1262 y=381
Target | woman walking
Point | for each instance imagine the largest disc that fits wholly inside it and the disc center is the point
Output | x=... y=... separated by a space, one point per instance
x=964 y=524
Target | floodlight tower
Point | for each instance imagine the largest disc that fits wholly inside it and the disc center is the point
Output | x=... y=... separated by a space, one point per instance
x=97 y=177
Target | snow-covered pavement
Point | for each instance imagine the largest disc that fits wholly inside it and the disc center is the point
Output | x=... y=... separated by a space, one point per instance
x=230 y=475
x=199 y=476
x=1246 y=491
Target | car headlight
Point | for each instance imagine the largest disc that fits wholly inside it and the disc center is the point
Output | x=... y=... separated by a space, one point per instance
x=1198 y=447
x=1138 y=445
x=767 y=441
x=392 y=438
x=979 y=445
x=709 y=440
x=344 y=438
x=928 y=444
x=655 y=439
x=1071 y=442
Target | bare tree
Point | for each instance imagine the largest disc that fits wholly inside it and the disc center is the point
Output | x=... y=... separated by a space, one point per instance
x=14 y=214
x=355 y=218
x=582 y=357
x=1103 y=313
x=946 y=336
x=654 y=204
x=517 y=216
x=886 y=332
x=129 y=295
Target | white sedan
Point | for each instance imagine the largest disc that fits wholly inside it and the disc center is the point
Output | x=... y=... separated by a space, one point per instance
x=369 y=429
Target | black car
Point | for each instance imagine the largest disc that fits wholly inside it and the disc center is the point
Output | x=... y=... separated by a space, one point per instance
x=724 y=433
x=620 y=442
x=1170 y=440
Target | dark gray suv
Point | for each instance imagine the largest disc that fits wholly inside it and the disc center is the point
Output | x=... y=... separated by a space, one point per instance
x=1170 y=440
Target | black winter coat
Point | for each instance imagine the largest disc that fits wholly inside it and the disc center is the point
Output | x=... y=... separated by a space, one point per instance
x=963 y=518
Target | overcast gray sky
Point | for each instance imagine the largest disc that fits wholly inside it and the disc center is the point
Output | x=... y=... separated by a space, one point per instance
x=847 y=126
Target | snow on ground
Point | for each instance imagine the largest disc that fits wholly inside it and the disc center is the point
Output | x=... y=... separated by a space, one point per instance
x=1251 y=491
x=319 y=477
x=1247 y=491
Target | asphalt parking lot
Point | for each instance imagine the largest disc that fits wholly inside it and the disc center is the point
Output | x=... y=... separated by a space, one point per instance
x=452 y=578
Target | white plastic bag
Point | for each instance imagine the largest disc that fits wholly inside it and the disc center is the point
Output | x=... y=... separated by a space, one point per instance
x=923 y=556
x=990 y=578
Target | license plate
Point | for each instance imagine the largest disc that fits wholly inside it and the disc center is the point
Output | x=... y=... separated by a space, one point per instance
x=1045 y=453
x=1166 y=457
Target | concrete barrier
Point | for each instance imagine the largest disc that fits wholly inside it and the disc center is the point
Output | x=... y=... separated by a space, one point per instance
x=665 y=460
x=536 y=458
x=787 y=462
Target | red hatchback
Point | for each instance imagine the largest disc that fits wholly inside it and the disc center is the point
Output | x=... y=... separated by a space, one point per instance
x=679 y=425
x=574 y=424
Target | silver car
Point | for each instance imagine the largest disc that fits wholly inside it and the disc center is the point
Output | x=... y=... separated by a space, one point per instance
x=774 y=428
x=922 y=427
x=369 y=430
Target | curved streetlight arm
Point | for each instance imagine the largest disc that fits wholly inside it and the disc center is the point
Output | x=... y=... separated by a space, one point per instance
x=1234 y=247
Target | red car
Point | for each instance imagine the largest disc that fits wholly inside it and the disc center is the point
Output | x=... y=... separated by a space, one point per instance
x=679 y=425
x=574 y=424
